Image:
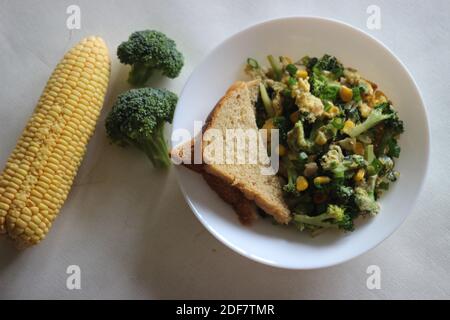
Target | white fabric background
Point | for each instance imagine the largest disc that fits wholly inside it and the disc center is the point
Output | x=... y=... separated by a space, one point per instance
x=129 y=228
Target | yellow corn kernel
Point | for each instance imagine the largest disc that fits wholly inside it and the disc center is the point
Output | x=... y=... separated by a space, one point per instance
x=358 y=148
x=303 y=74
x=346 y=93
x=321 y=138
x=359 y=175
x=294 y=116
x=281 y=150
x=322 y=180
x=333 y=112
x=37 y=177
x=301 y=183
x=348 y=125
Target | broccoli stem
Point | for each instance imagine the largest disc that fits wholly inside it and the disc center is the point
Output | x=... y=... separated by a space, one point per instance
x=266 y=101
x=156 y=148
x=275 y=67
x=139 y=74
x=375 y=117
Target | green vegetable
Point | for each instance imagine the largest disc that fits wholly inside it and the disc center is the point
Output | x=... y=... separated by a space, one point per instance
x=267 y=102
x=365 y=197
x=283 y=125
x=147 y=51
x=291 y=187
x=334 y=217
x=276 y=68
x=335 y=162
x=291 y=69
x=393 y=127
x=344 y=193
x=331 y=64
x=329 y=91
x=374 y=118
x=253 y=63
x=296 y=139
x=137 y=118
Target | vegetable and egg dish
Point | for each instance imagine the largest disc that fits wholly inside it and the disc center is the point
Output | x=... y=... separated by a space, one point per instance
x=338 y=138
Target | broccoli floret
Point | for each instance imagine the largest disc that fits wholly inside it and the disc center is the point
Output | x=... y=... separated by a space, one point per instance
x=374 y=118
x=147 y=51
x=282 y=124
x=365 y=197
x=331 y=64
x=138 y=117
x=322 y=83
x=334 y=217
x=335 y=161
x=296 y=139
x=291 y=188
x=344 y=193
x=393 y=127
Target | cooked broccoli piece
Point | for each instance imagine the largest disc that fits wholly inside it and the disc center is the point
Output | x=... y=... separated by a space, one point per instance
x=323 y=75
x=291 y=188
x=365 y=196
x=330 y=91
x=147 y=51
x=374 y=118
x=296 y=139
x=138 y=117
x=393 y=127
x=276 y=68
x=344 y=193
x=334 y=217
x=331 y=64
x=335 y=161
x=267 y=102
x=283 y=125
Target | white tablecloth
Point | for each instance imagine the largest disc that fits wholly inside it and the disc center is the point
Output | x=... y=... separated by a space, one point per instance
x=128 y=227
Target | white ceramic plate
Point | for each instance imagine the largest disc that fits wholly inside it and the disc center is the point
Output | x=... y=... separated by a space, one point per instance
x=296 y=37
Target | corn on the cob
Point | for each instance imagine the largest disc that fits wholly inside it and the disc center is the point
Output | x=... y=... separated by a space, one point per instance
x=39 y=173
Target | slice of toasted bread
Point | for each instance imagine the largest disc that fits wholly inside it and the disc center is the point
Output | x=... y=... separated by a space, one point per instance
x=245 y=209
x=236 y=110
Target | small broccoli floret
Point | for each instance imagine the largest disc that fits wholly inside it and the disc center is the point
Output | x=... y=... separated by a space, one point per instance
x=282 y=124
x=335 y=161
x=138 y=117
x=296 y=139
x=374 y=118
x=392 y=129
x=365 y=197
x=290 y=188
x=334 y=217
x=147 y=51
x=344 y=193
x=331 y=64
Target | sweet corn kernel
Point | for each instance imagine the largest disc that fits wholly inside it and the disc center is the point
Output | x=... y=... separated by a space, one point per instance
x=346 y=93
x=303 y=74
x=302 y=183
x=359 y=175
x=322 y=180
x=348 y=125
x=358 y=148
x=333 y=112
